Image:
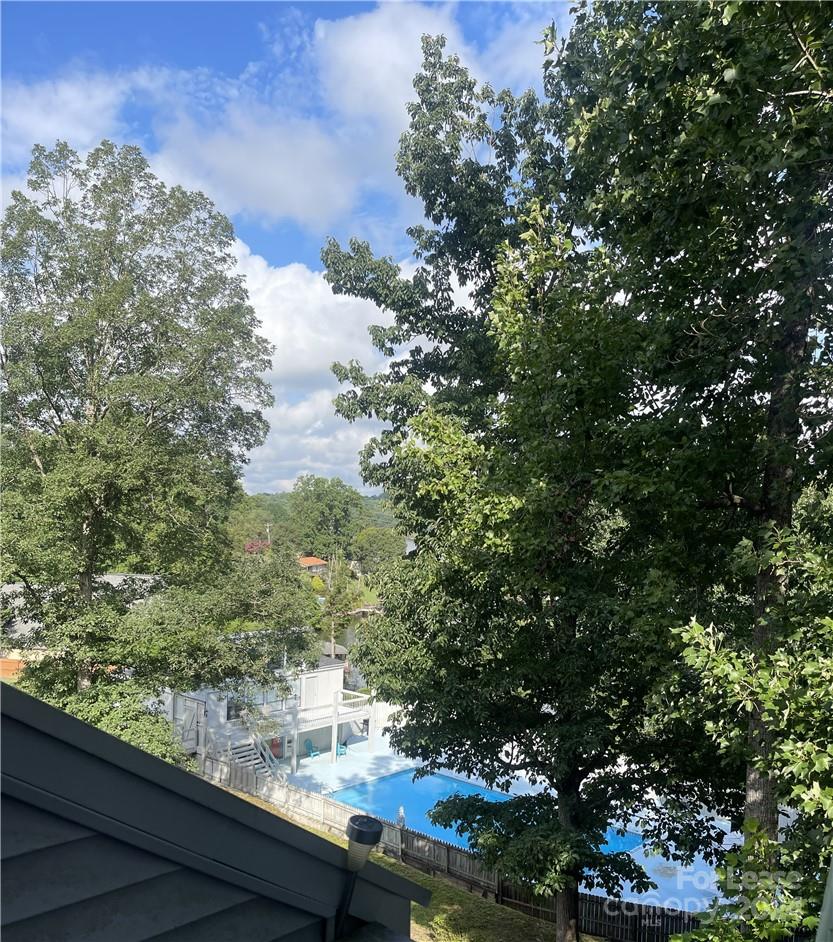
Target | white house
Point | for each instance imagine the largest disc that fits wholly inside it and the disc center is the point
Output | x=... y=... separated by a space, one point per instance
x=270 y=732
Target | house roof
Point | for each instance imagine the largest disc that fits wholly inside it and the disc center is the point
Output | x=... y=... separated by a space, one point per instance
x=341 y=651
x=307 y=561
x=103 y=841
x=325 y=661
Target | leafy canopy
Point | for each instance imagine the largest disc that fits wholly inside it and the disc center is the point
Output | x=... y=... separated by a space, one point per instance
x=633 y=395
x=131 y=370
x=132 y=389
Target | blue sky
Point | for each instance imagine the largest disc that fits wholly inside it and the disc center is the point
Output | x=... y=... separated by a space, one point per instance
x=287 y=115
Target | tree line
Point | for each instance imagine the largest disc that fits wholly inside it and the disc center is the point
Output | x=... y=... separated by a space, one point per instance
x=321 y=517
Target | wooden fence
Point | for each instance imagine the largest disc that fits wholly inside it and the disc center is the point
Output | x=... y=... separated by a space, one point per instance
x=609 y=918
x=613 y=919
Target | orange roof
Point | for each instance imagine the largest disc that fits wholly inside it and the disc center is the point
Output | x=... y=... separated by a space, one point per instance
x=311 y=561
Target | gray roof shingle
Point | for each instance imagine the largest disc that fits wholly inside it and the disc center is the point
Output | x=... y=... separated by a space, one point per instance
x=101 y=841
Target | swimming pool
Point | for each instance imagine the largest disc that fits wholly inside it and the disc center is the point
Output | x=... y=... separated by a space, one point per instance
x=383 y=796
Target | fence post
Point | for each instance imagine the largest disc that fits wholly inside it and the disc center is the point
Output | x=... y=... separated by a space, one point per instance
x=499 y=889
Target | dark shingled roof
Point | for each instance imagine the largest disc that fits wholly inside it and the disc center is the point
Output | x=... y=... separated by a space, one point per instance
x=101 y=841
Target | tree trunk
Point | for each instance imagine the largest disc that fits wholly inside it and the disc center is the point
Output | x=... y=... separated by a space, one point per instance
x=88 y=554
x=776 y=509
x=566 y=914
x=566 y=900
x=86 y=580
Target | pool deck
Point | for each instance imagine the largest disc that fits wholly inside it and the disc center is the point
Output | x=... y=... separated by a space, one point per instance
x=321 y=775
x=362 y=764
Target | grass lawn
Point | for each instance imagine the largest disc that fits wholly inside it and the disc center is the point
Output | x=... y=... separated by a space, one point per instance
x=369 y=597
x=453 y=915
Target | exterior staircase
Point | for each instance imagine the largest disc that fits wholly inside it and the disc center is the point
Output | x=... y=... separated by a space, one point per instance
x=247 y=756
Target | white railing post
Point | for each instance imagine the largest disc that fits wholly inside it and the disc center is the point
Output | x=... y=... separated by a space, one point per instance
x=334 y=739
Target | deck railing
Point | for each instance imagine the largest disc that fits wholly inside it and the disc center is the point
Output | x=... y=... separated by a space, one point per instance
x=608 y=918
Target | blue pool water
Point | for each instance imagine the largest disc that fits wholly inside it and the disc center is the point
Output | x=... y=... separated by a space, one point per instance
x=383 y=796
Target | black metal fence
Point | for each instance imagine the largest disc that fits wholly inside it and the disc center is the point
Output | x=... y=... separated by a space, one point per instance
x=608 y=918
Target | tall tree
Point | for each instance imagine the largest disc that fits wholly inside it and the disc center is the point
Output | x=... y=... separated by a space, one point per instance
x=132 y=389
x=475 y=158
x=325 y=514
x=717 y=206
x=690 y=147
x=532 y=634
x=130 y=355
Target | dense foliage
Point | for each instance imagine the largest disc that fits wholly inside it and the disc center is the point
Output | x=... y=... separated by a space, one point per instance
x=132 y=389
x=130 y=355
x=373 y=546
x=322 y=516
x=611 y=437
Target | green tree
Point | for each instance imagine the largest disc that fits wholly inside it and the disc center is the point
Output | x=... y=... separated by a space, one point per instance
x=343 y=596
x=132 y=389
x=685 y=150
x=531 y=634
x=717 y=208
x=325 y=514
x=253 y=625
x=261 y=518
x=374 y=546
x=474 y=158
x=776 y=889
x=130 y=355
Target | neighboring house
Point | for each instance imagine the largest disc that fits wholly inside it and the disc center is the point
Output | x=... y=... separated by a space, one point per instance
x=269 y=731
x=103 y=842
x=313 y=565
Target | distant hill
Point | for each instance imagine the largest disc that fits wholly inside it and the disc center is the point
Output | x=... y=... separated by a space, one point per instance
x=378 y=512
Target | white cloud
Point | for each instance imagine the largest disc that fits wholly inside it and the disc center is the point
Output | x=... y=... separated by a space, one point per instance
x=265 y=165
x=310 y=327
x=78 y=108
x=307 y=438
x=304 y=133
x=367 y=62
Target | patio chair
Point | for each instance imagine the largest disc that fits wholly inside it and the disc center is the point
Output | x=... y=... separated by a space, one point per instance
x=341 y=750
x=312 y=752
